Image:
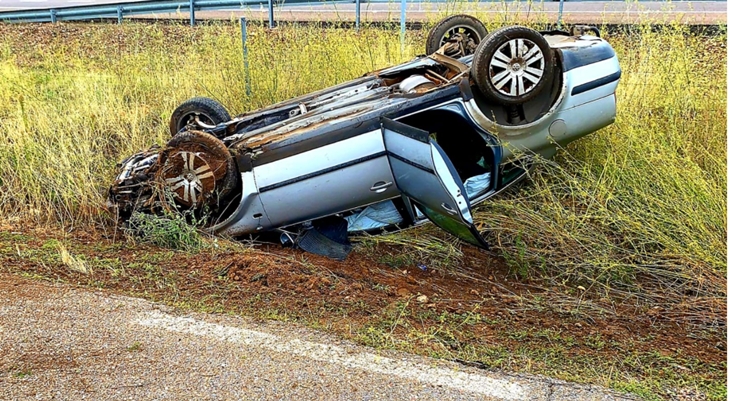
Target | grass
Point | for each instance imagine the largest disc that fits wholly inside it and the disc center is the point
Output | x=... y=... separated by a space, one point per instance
x=633 y=213
x=171 y=230
x=651 y=375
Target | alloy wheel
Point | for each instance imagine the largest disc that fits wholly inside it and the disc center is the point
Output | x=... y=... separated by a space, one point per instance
x=517 y=67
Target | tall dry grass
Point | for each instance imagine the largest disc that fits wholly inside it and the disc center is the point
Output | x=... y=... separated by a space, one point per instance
x=75 y=99
x=644 y=198
x=641 y=206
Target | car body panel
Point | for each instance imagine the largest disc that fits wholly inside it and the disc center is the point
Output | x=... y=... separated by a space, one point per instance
x=325 y=186
x=424 y=174
x=363 y=102
x=327 y=194
x=580 y=82
x=249 y=216
x=368 y=141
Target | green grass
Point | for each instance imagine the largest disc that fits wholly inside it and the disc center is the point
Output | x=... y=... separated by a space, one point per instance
x=171 y=230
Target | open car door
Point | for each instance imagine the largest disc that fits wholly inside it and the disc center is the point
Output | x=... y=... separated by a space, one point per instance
x=424 y=174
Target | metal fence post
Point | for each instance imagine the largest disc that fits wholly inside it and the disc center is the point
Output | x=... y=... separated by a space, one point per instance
x=192 y=12
x=246 y=72
x=560 y=14
x=120 y=12
x=53 y=16
x=271 y=13
x=402 y=24
x=357 y=15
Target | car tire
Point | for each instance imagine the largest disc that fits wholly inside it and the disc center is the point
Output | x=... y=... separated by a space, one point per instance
x=446 y=28
x=513 y=65
x=207 y=110
x=197 y=170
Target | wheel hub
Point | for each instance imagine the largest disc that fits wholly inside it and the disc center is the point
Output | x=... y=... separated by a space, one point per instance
x=465 y=39
x=516 y=67
x=189 y=178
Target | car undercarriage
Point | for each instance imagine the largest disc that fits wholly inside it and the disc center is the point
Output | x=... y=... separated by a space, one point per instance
x=424 y=140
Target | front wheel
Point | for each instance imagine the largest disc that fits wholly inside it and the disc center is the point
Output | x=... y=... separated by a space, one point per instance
x=200 y=111
x=197 y=171
x=461 y=32
x=513 y=65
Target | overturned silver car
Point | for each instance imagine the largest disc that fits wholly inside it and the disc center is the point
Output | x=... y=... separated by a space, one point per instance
x=424 y=140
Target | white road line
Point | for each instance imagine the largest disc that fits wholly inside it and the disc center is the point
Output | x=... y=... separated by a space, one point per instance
x=491 y=387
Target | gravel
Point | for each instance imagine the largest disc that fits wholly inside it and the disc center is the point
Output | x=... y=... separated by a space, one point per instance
x=65 y=343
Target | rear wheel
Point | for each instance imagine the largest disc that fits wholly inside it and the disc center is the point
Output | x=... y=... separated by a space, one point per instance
x=513 y=65
x=197 y=171
x=462 y=32
x=201 y=109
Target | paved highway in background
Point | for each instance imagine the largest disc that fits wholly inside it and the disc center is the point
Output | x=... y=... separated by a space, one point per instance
x=596 y=12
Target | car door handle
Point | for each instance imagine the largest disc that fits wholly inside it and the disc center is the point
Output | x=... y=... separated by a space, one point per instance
x=448 y=208
x=380 y=186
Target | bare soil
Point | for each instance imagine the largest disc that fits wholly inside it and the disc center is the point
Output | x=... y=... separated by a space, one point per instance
x=477 y=312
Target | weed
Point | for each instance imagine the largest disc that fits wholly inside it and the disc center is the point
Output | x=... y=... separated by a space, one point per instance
x=396 y=261
x=73 y=262
x=23 y=373
x=423 y=246
x=516 y=260
x=382 y=288
x=136 y=346
x=595 y=341
x=518 y=335
x=35 y=276
x=51 y=244
x=172 y=230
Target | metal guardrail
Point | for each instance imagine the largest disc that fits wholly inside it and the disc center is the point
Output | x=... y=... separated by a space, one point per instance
x=120 y=10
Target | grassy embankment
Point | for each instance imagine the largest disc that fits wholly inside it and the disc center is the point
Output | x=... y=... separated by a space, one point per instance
x=637 y=210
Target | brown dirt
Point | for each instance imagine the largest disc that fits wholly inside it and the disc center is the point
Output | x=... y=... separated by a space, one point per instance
x=347 y=296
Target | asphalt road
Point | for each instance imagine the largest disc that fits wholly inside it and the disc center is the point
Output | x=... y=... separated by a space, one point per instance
x=613 y=12
x=61 y=342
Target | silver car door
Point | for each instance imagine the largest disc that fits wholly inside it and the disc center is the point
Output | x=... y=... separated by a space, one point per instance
x=328 y=179
x=424 y=174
